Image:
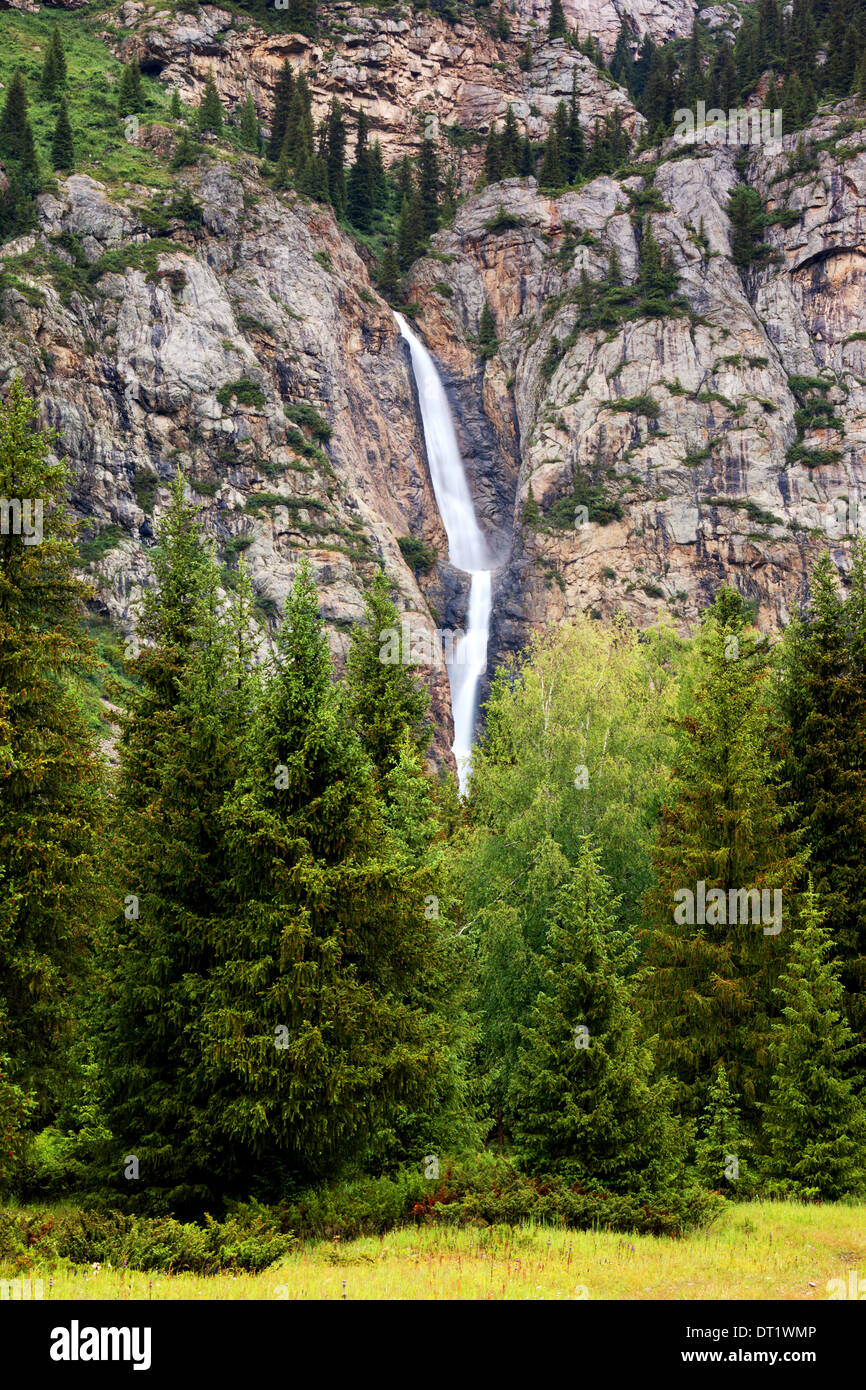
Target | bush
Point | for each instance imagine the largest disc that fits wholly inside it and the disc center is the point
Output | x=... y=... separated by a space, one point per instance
x=418 y=556
x=244 y=391
x=309 y=418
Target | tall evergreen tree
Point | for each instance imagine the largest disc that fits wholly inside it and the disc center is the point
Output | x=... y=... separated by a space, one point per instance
x=51 y=808
x=707 y=991
x=280 y=115
x=429 y=186
x=581 y=1102
x=62 y=145
x=210 y=112
x=360 y=192
x=385 y=699
x=557 y=27
x=334 y=152
x=722 y=1145
x=814 y=1122
x=318 y=1025
x=822 y=693
x=179 y=758
x=250 y=133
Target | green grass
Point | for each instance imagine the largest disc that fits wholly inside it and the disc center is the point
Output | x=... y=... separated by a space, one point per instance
x=757 y=1251
x=101 y=148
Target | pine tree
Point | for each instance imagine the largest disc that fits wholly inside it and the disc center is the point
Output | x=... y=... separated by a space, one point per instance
x=51 y=808
x=175 y=109
x=15 y=122
x=814 y=1122
x=503 y=28
x=385 y=700
x=429 y=186
x=524 y=62
x=250 y=133
x=722 y=1146
x=186 y=151
x=62 y=146
x=280 y=115
x=360 y=192
x=707 y=990
x=488 y=343
x=556 y=25
x=210 y=112
x=581 y=1103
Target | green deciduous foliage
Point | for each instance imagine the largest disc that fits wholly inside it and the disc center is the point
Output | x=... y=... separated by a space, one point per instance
x=576 y=744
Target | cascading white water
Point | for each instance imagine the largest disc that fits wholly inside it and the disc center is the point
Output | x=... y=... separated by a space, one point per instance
x=467 y=548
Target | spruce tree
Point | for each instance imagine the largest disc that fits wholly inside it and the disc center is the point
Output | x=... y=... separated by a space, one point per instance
x=488 y=343
x=210 y=111
x=59 y=56
x=62 y=146
x=334 y=154
x=551 y=173
x=389 y=272
x=581 y=1104
x=51 y=807
x=283 y=95
x=175 y=109
x=510 y=146
x=822 y=697
x=574 y=144
x=814 y=1122
x=250 y=133
x=524 y=62
x=179 y=755
x=130 y=97
x=556 y=24
x=429 y=186
x=49 y=81
x=359 y=186
x=722 y=1145
x=493 y=155
x=385 y=699
x=707 y=991
x=318 y=1033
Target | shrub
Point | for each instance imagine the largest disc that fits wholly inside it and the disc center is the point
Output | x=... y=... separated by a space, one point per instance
x=418 y=556
x=307 y=416
x=645 y=404
x=244 y=391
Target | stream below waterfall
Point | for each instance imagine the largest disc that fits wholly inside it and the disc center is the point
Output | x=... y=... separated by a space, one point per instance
x=467 y=548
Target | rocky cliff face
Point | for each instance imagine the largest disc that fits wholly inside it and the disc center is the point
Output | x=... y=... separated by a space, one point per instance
x=702 y=426
x=411 y=72
x=722 y=440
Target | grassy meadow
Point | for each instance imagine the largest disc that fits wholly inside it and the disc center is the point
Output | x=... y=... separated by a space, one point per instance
x=765 y=1250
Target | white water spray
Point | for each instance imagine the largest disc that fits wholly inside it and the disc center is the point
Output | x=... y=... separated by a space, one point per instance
x=467 y=548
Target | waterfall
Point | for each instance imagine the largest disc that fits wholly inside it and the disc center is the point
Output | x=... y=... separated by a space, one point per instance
x=467 y=548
